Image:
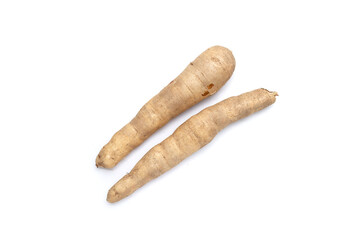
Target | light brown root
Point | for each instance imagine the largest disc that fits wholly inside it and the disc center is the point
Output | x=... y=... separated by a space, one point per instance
x=189 y=137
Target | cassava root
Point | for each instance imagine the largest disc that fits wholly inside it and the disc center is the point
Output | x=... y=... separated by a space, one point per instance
x=200 y=79
x=192 y=135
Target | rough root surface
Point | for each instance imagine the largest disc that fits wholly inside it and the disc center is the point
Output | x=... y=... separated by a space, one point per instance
x=192 y=135
x=200 y=79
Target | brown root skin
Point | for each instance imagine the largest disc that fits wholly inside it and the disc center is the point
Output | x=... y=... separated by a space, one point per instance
x=103 y=162
x=189 y=137
x=201 y=78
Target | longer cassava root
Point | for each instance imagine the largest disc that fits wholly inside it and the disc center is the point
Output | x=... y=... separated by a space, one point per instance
x=192 y=135
x=200 y=79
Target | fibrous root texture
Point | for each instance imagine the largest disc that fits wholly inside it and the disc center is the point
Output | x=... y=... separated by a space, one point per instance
x=192 y=135
x=200 y=79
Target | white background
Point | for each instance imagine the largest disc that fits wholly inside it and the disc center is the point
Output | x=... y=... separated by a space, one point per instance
x=74 y=72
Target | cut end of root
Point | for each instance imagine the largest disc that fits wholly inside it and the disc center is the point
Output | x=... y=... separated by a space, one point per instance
x=275 y=94
x=99 y=162
x=103 y=164
x=103 y=160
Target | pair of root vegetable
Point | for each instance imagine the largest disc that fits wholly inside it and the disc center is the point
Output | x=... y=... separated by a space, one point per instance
x=201 y=78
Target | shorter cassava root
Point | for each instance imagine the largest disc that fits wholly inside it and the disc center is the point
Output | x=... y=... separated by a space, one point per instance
x=201 y=78
x=192 y=135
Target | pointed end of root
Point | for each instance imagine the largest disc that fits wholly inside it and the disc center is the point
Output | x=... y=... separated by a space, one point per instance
x=125 y=186
x=112 y=196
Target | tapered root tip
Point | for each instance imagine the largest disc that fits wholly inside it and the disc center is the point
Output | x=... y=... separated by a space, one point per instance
x=112 y=196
